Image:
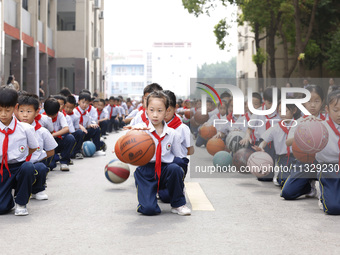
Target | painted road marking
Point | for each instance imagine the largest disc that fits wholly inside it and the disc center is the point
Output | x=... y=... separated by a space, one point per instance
x=197 y=197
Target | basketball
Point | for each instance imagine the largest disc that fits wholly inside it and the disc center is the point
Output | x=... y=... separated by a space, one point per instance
x=260 y=164
x=116 y=171
x=215 y=145
x=137 y=148
x=88 y=148
x=187 y=114
x=201 y=118
x=233 y=140
x=193 y=123
x=302 y=156
x=117 y=149
x=311 y=136
x=207 y=132
x=240 y=159
x=222 y=158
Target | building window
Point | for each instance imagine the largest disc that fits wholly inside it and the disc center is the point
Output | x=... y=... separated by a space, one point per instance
x=66 y=15
x=141 y=70
x=25 y=4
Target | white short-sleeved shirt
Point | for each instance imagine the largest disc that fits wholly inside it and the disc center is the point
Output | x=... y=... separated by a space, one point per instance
x=93 y=114
x=70 y=123
x=75 y=120
x=120 y=111
x=219 y=120
x=124 y=107
x=138 y=118
x=132 y=114
x=171 y=144
x=19 y=142
x=46 y=122
x=258 y=122
x=130 y=109
x=237 y=124
x=278 y=136
x=46 y=143
x=86 y=117
x=114 y=110
x=60 y=123
x=330 y=154
x=103 y=114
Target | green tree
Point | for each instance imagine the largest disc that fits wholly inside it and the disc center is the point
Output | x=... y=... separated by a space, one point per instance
x=334 y=52
x=218 y=70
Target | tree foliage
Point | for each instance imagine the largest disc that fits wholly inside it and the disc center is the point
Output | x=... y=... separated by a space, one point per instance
x=218 y=70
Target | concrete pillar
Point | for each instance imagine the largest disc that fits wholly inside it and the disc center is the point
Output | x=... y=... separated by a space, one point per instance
x=52 y=77
x=80 y=74
x=17 y=61
x=31 y=70
x=43 y=71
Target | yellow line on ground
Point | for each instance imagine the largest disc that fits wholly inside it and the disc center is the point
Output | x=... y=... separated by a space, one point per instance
x=197 y=197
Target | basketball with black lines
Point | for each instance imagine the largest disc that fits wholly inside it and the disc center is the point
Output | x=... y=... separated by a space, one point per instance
x=137 y=148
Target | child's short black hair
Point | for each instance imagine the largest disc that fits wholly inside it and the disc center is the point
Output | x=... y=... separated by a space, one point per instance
x=65 y=92
x=51 y=106
x=291 y=108
x=316 y=89
x=85 y=91
x=96 y=100
x=171 y=96
x=101 y=101
x=333 y=96
x=85 y=96
x=71 y=100
x=111 y=98
x=258 y=96
x=158 y=94
x=224 y=102
x=60 y=97
x=151 y=88
x=268 y=94
x=128 y=99
x=29 y=100
x=225 y=94
x=8 y=97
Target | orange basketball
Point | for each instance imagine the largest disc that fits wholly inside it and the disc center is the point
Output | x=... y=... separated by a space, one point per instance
x=215 y=145
x=193 y=123
x=117 y=149
x=207 y=132
x=302 y=156
x=201 y=118
x=187 y=114
x=137 y=148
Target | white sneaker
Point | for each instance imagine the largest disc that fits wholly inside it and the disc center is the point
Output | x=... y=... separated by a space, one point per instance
x=276 y=183
x=79 y=156
x=20 y=210
x=99 y=153
x=182 y=210
x=40 y=196
x=64 y=167
x=313 y=190
x=320 y=204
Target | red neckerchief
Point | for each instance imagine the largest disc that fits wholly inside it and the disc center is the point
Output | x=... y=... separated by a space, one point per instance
x=268 y=118
x=64 y=113
x=286 y=131
x=321 y=116
x=5 y=149
x=112 y=110
x=37 y=127
x=38 y=117
x=99 y=113
x=54 y=119
x=70 y=113
x=230 y=118
x=141 y=108
x=184 y=107
x=144 y=119
x=252 y=136
x=89 y=109
x=175 y=122
x=81 y=115
x=331 y=124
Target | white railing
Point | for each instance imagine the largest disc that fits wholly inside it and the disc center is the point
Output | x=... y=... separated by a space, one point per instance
x=49 y=38
x=26 y=22
x=10 y=12
x=41 y=32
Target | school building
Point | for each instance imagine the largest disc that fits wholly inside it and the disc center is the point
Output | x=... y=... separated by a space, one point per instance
x=58 y=41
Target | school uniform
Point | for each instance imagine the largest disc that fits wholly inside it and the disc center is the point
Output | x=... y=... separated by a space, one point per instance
x=329 y=178
x=130 y=109
x=284 y=154
x=78 y=134
x=298 y=182
x=113 y=123
x=125 y=108
x=183 y=161
x=103 y=114
x=92 y=133
x=260 y=123
x=16 y=173
x=133 y=113
x=140 y=117
x=65 y=142
x=161 y=172
x=46 y=143
x=45 y=122
x=93 y=114
x=121 y=114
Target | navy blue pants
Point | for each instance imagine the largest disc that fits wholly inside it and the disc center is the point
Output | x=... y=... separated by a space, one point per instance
x=330 y=191
x=104 y=126
x=79 y=136
x=21 y=180
x=113 y=123
x=285 y=163
x=65 y=147
x=40 y=177
x=93 y=134
x=200 y=141
x=164 y=193
x=121 y=122
x=146 y=184
x=298 y=182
